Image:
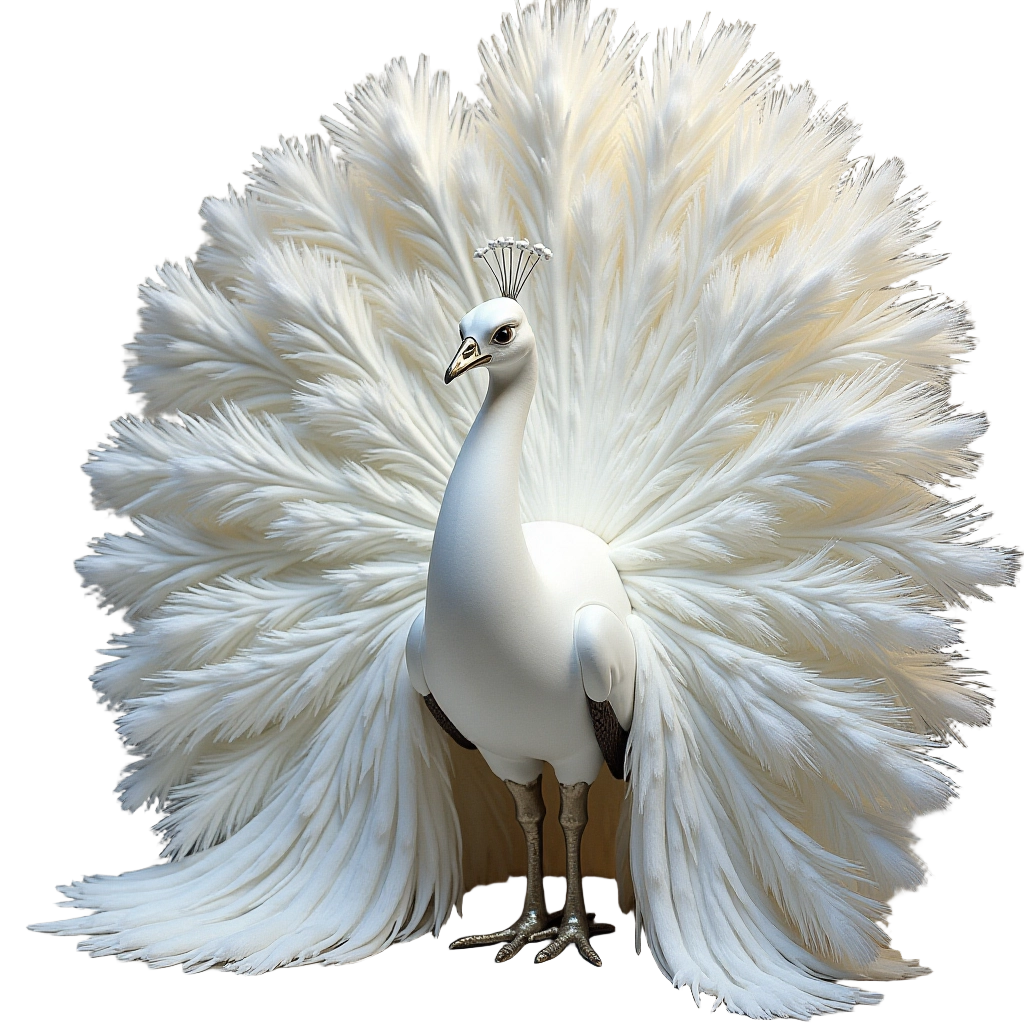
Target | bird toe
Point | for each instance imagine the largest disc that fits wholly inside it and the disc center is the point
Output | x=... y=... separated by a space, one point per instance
x=510 y=950
x=550 y=951
x=473 y=941
x=576 y=932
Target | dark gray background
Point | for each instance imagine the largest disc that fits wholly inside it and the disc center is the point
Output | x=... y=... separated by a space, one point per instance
x=115 y=117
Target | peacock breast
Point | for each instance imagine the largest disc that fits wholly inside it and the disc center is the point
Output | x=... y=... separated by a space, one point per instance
x=499 y=653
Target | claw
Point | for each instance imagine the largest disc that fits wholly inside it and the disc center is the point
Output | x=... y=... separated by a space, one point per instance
x=588 y=953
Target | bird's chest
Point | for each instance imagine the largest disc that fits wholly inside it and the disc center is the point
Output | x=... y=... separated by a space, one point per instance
x=508 y=693
x=498 y=654
x=486 y=634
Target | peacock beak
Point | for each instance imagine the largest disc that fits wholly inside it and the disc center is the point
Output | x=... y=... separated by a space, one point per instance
x=465 y=359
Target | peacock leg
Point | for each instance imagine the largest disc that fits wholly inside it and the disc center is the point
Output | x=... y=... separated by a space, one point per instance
x=576 y=926
x=535 y=921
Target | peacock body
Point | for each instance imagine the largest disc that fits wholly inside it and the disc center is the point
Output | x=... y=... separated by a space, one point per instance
x=740 y=424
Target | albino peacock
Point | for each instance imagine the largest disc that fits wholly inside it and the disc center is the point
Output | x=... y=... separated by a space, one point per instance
x=697 y=507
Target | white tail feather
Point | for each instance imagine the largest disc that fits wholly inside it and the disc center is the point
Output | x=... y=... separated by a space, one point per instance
x=740 y=391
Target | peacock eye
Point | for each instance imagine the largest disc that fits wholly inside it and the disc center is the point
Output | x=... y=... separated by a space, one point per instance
x=503 y=335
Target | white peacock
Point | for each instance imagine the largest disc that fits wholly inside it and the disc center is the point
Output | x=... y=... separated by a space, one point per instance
x=733 y=548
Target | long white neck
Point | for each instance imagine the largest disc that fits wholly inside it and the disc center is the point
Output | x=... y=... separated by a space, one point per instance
x=478 y=540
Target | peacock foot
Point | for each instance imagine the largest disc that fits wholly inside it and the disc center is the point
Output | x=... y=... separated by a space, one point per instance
x=578 y=931
x=532 y=926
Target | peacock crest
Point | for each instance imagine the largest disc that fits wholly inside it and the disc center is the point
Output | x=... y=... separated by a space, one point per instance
x=742 y=391
x=508 y=253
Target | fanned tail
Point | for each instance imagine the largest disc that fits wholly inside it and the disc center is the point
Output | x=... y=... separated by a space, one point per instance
x=284 y=487
x=741 y=392
x=711 y=924
x=359 y=848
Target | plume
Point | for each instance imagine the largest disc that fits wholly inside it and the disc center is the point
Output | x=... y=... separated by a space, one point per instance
x=743 y=391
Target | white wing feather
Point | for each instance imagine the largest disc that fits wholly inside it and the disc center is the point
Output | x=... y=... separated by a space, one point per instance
x=740 y=391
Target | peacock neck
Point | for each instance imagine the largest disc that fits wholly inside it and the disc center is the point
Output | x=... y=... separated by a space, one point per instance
x=479 y=528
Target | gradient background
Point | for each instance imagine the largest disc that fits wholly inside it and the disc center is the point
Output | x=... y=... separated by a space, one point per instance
x=114 y=118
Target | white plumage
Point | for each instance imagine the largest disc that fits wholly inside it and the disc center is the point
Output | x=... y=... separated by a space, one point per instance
x=740 y=391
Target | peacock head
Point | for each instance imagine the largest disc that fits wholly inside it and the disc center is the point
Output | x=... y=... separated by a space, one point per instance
x=497 y=332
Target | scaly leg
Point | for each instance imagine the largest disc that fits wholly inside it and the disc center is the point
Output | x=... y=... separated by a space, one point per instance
x=576 y=926
x=535 y=921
